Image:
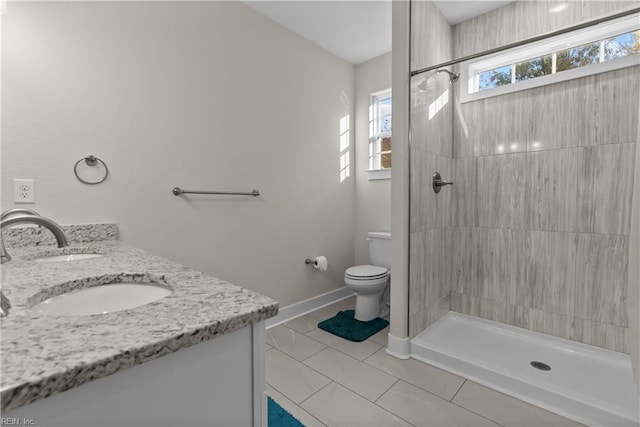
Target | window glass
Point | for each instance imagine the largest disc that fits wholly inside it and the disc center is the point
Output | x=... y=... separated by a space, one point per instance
x=496 y=77
x=533 y=68
x=622 y=45
x=578 y=56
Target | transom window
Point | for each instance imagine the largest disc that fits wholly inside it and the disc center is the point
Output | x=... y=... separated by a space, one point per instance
x=380 y=134
x=595 y=50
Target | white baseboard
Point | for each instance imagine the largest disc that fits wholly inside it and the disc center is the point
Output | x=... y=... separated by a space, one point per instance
x=398 y=347
x=307 y=306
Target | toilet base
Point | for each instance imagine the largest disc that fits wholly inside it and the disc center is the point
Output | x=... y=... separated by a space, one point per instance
x=367 y=307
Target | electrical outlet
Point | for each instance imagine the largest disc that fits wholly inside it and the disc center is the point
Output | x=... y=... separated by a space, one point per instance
x=24 y=191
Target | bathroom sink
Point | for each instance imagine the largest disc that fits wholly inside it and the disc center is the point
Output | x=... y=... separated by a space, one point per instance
x=102 y=299
x=66 y=258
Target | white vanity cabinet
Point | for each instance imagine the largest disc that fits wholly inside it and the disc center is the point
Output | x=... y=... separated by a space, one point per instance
x=220 y=382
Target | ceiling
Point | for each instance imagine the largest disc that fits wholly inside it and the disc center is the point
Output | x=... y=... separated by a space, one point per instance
x=356 y=31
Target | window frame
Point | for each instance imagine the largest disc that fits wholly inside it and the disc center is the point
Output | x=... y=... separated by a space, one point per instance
x=376 y=171
x=471 y=70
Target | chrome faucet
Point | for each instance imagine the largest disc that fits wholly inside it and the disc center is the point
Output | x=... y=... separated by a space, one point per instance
x=52 y=226
x=17 y=211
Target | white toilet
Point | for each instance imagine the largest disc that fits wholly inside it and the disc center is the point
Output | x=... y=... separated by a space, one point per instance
x=370 y=282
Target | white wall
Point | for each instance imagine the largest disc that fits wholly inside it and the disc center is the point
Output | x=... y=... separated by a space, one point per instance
x=373 y=198
x=202 y=95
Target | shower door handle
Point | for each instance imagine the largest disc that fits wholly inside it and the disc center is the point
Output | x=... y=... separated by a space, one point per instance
x=438 y=182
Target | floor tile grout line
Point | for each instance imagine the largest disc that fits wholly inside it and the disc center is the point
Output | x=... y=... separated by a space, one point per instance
x=458 y=391
x=315 y=392
x=298 y=404
x=385 y=392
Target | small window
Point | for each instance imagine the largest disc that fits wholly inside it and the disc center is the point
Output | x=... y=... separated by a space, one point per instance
x=380 y=123
x=594 y=50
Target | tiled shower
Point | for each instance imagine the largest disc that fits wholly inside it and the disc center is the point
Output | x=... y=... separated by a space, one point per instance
x=535 y=230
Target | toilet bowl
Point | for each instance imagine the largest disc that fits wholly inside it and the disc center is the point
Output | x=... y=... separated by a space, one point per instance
x=369 y=282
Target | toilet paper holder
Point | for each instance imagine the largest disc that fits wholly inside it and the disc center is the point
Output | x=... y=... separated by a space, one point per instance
x=310 y=261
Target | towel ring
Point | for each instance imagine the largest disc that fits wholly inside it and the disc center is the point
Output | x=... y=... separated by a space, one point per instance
x=91 y=161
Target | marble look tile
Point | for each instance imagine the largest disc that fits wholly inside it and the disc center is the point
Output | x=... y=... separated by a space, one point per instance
x=438 y=120
x=520 y=20
x=504 y=409
x=607 y=336
x=552 y=189
x=291 y=378
x=429 y=210
x=300 y=414
x=357 y=376
x=461 y=260
x=605 y=182
x=418 y=279
x=504 y=124
x=500 y=195
x=417 y=322
x=438 y=309
x=555 y=324
x=561 y=115
x=302 y=324
x=429 y=25
x=421 y=408
x=550 y=272
x=357 y=350
x=498 y=263
x=425 y=376
x=292 y=343
x=465 y=129
x=616 y=95
x=497 y=311
x=601 y=278
x=438 y=249
x=336 y=406
x=463 y=193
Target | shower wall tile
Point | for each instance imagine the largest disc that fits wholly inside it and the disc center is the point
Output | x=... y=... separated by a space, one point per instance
x=608 y=336
x=429 y=25
x=605 y=183
x=438 y=309
x=497 y=263
x=555 y=324
x=601 y=278
x=465 y=130
x=429 y=210
x=523 y=19
x=437 y=119
x=418 y=280
x=552 y=189
x=489 y=309
x=463 y=192
x=616 y=96
x=461 y=261
x=550 y=272
x=561 y=116
x=417 y=323
x=500 y=195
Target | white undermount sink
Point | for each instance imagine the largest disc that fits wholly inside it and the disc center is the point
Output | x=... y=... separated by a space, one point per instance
x=102 y=299
x=69 y=257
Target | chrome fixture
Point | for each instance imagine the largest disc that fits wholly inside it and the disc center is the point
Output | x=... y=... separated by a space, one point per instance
x=178 y=191
x=52 y=226
x=16 y=211
x=453 y=77
x=438 y=182
x=91 y=161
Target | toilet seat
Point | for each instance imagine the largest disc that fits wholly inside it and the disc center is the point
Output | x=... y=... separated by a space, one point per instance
x=366 y=272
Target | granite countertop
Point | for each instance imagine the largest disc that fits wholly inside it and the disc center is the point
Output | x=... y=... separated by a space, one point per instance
x=46 y=354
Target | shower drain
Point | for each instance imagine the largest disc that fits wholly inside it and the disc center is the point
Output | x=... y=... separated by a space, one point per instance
x=540 y=365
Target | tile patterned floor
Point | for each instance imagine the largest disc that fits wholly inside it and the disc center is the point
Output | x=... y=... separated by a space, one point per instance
x=324 y=380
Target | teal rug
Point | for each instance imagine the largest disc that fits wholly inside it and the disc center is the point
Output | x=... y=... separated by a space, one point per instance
x=345 y=326
x=279 y=417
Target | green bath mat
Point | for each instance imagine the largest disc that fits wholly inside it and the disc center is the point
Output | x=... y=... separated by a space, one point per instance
x=279 y=417
x=345 y=326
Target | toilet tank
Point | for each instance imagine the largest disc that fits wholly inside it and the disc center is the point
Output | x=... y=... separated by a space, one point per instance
x=380 y=248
